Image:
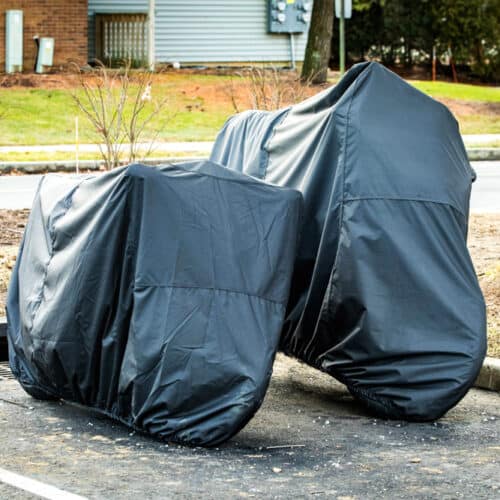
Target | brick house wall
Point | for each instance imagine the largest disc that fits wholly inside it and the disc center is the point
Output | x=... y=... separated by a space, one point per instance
x=64 y=20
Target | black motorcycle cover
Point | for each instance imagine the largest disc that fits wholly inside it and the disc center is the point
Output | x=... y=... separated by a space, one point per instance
x=384 y=295
x=155 y=296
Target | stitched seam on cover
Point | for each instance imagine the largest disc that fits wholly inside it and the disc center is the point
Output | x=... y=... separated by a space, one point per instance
x=341 y=203
x=395 y=198
x=271 y=137
x=344 y=156
x=41 y=293
x=247 y=179
x=227 y=290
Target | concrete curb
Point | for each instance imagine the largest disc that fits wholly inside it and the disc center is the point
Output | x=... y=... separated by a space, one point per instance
x=483 y=154
x=41 y=167
x=489 y=376
x=3 y=327
x=3 y=340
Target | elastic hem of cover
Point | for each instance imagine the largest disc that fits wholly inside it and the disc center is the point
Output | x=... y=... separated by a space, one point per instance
x=45 y=394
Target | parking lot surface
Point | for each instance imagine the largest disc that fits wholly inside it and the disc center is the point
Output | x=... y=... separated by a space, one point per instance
x=310 y=439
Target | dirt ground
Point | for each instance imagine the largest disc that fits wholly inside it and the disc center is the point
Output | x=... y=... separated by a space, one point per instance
x=12 y=224
x=484 y=245
x=462 y=109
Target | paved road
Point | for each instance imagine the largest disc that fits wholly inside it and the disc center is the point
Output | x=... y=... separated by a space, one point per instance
x=486 y=189
x=18 y=191
x=309 y=440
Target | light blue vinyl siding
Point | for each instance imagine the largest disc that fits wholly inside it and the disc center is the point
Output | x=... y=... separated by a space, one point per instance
x=207 y=31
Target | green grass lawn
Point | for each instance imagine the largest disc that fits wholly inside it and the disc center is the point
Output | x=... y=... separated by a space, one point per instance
x=37 y=116
x=477 y=123
x=459 y=91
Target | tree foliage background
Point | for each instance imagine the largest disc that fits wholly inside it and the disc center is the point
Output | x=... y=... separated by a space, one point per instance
x=463 y=32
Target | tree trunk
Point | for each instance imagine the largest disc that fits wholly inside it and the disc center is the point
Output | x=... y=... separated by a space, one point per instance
x=318 y=49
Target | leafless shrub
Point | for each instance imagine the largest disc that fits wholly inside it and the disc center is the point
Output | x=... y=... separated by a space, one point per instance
x=231 y=91
x=119 y=105
x=268 y=88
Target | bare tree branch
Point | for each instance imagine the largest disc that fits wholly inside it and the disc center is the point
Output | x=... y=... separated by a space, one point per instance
x=118 y=106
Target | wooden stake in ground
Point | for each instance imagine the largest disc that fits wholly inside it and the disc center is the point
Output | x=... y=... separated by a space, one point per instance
x=77 y=145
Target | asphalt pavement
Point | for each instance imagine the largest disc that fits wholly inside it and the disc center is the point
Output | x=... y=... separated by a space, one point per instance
x=310 y=439
x=486 y=190
x=18 y=191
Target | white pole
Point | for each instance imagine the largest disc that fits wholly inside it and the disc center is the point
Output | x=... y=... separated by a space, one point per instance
x=151 y=35
x=342 y=37
x=292 y=51
x=77 y=145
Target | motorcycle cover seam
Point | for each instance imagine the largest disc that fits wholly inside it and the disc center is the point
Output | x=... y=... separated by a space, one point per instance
x=214 y=289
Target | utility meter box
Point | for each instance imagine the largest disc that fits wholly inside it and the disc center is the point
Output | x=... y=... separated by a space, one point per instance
x=289 y=16
x=45 y=57
x=13 y=41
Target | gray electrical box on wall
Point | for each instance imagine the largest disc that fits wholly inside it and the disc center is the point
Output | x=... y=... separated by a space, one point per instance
x=13 y=41
x=45 y=55
x=289 y=16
